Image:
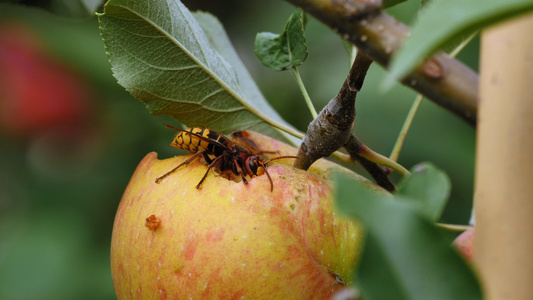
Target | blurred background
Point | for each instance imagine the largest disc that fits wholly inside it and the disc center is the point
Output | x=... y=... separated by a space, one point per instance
x=70 y=136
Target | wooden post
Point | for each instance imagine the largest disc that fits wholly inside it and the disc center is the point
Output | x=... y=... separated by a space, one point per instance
x=503 y=242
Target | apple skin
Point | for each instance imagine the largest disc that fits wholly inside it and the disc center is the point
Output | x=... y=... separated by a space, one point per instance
x=464 y=243
x=230 y=240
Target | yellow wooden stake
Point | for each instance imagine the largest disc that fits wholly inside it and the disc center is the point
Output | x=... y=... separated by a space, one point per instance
x=503 y=242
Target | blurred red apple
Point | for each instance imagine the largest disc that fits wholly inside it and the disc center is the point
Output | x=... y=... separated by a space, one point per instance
x=230 y=240
x=38 y=93
x=45 y=103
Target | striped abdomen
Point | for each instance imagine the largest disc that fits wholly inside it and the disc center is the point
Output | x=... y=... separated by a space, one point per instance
x=184 y=140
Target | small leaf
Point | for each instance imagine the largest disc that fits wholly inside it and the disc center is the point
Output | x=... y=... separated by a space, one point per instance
x=405 y=256
x=286 y=50
x=445 y=20
x=426 y=187
x=162 y=56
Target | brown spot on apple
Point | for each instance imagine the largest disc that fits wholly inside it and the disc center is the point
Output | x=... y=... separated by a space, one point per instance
x=152 y=222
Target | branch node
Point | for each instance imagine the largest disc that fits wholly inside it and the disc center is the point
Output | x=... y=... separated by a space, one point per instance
x=334 y=125
x=433 y=69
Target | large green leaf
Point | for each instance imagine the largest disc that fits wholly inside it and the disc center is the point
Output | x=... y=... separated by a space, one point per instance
x=162 y=56
x=443 y=21
x=405 y=255
x=219 y=40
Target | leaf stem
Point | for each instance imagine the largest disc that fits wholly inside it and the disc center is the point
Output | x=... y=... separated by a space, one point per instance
x=416 y=104
x=384 y=161
x=463 y=44
x=405 y=128
x=454 y=227
x=356 y=148
x=301 y=85
x=284 y=128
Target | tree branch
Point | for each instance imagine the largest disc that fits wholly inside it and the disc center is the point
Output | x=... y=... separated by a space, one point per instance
x=333 y=129
x=334 y=125
x=440 y=78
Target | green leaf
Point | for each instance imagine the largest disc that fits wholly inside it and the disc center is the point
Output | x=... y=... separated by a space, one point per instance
x=428 y=188
x=286 y=50
x=443 y=21
x=220 y=41
x=162 y=56
x=405 y=255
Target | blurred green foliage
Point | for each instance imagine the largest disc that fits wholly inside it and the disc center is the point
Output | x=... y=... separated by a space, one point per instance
x=58 y=195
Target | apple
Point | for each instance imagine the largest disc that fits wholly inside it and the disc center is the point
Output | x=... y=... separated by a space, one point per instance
x=464 y=243
x=228 y=239
x=38 y=93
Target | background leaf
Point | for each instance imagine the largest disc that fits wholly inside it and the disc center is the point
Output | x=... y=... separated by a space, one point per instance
x=405 y=256
x=161 y=55
x=65 y=8
x=445 y=20
x=76 y=8
x=286 y=50
x=389 y=3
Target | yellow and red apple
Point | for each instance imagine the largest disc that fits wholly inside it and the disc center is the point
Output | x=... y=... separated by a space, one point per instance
x=230 y=240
